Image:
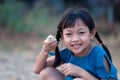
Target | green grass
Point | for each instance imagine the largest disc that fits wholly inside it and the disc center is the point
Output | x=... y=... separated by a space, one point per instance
x=41 y=23
x=36 y=20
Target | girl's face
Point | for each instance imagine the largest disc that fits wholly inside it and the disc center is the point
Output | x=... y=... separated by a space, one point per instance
x=78 y=38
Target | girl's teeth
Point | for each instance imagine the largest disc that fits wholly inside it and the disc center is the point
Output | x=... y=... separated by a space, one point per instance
x=76 y=46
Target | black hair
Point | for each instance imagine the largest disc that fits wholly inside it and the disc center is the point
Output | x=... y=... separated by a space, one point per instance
x=68 y=20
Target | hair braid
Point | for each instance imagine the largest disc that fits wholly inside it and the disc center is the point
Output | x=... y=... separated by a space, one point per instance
x=57 y=53
x=104 y=47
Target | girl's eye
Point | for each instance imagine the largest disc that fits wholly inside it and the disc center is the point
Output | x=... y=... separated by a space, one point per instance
x=81 y=32
x=68 y=34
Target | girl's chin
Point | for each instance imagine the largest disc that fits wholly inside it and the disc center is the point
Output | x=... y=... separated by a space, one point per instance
x=76 y=52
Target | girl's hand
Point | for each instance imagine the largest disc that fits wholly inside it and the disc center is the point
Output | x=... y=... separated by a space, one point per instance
x=73 y=70
x=49 y=44
x=70 y=69
x=47 y=47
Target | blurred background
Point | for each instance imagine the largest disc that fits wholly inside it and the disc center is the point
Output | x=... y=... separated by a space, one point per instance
x=24 y=24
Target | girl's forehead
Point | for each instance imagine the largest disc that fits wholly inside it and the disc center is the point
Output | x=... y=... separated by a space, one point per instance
x=79 y=22
x=76 y=28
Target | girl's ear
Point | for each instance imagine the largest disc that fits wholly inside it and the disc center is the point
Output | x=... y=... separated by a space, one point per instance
x=93 y=32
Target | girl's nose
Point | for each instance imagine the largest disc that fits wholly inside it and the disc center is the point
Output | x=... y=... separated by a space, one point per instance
x=75 y=38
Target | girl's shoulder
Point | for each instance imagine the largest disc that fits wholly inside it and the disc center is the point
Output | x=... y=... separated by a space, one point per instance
x=64 y=50
x=98 y=50
x=65 y=55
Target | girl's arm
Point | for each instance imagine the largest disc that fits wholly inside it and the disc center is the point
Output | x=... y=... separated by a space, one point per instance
x=42 y=61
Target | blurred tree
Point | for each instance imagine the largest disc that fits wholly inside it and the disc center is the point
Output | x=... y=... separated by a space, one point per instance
x=14 y=12
x=57 y=5
x=1 y=1
x=30 y=3
x=117 y=10
x=75 y=3
x=12 y=15
x=102 y=9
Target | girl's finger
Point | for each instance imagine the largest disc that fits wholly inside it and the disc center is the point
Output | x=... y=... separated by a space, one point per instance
x=67 y=73
x=63 y=67
x=54 y=44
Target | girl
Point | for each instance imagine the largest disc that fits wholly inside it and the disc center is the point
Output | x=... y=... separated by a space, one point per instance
x=80 y=60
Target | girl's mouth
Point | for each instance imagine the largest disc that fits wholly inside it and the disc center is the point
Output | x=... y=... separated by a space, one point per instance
x=76 y=46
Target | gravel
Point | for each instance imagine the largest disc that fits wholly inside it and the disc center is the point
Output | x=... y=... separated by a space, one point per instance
x=15 y=66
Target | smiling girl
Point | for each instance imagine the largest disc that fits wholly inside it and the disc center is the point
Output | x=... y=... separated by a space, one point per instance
x=79 y=60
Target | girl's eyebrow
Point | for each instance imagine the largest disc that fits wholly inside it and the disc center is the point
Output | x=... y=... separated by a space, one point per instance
x=81 y=29
x=70 y=29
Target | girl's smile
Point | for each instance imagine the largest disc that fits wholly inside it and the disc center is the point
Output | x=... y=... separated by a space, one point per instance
x=76 y=46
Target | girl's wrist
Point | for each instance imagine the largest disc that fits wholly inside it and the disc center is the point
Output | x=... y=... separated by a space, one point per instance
x=82 y=74
x=46 y=52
